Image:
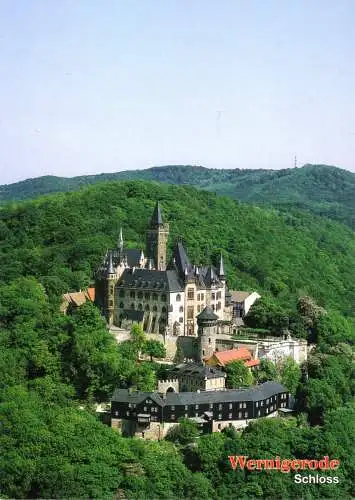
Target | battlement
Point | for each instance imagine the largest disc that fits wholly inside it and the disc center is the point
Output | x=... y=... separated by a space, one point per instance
x=168 y=385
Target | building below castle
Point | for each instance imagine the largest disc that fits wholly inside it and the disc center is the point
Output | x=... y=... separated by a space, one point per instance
x=165 y=297
x=150 y=415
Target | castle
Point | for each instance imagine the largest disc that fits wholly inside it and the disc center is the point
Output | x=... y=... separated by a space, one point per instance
x=165 y=297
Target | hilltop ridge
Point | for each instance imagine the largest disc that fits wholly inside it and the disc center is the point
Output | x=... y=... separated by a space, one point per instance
x=319 y=189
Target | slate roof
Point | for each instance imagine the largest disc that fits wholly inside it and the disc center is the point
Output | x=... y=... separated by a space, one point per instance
x=197 y=370
x=157 y=218
x=182 y=261
x=255 y=393
x=133 y=256
x=207 y=315
x=151 y=280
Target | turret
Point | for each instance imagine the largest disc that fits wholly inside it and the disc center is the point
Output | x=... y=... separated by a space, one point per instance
x=207 y=331
x=110 y=283
x=120 y=243
x=221 y=268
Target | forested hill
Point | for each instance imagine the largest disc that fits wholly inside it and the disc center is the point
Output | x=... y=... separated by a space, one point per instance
x=61 y=238
x=319 y=189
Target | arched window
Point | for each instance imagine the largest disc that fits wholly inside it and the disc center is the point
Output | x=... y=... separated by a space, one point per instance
x=163 y=309
x=132 y=306
x=155 y=308
x=147 y=295
x=181 y=309
x=178 y=297
x=111 y=289
x=140 y=295
x=111 y=302
x=155 y=296
x=140 y=307
x=133 y=294
x=121 y=293
x=121 y=305
x=147 y=307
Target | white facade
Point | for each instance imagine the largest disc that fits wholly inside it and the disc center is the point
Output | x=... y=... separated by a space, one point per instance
x=249 y=301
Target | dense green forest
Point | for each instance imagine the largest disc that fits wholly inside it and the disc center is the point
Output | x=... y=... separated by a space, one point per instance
x=60 y=240
x=55 y=368
x=318 y=189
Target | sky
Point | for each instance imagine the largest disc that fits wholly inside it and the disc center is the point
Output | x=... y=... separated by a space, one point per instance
x=89 y=86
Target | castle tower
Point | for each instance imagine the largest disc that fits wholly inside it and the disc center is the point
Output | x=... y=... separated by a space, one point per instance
x=110 y=295
x=157 y=239
x=206 y=332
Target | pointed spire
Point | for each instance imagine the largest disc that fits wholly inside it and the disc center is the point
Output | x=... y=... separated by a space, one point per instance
x=221 y=267
x=120 y=241
x=110 y=265
x=157 y=218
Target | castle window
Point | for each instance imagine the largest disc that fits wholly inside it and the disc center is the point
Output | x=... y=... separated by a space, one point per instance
x=186 y=415
x=198 y=308
x=140 y=307
x=116 y=413
x=258 y=413
x=121 y=293
x=219 y=306
x=172 y=417
x=211 y=406
x=147 y=295
x=220 y=416
x=127 y=413
x=163 y=297
x=111 y=289
x=246 y=414
x=257 y=404
x=230 y=406
x=140 y=295
x=155 y=308
x=212 y=296
x=145 y=408
x=181 y=309
x=178 y=297
x=230 y=416
x=196 y=407
x=132 y=294
x=240 y=414
x=172 y=408
x=209 y=341
x=198 y=296
x=132 y=306
x=155 y=296
x=121 y=305
x=190 y=312
x=220 y=406
x=186 y=407
x=213 y=308
x=147 y=307
x=244 y=405
x=190 y=294
x=202 y=296
x=181 y=320
x=111 y=302
x=163 y=309
x=261 y=403
x=203 y=352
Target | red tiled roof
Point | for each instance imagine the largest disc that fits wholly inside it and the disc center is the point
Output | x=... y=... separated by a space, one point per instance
x=225 y=357
x=252 y=362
